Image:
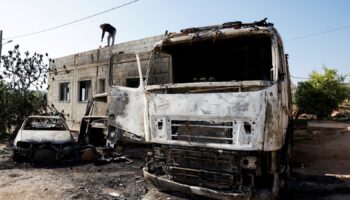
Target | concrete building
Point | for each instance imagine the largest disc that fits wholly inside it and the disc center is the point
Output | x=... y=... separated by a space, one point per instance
x=76 y=78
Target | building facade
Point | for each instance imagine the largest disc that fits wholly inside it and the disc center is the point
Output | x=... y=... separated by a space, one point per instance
x=74 y=79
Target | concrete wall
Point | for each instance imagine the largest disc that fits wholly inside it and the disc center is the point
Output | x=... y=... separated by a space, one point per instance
x=91 y=65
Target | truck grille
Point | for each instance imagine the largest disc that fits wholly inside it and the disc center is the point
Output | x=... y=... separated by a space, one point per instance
x=203 y=178
x=203 y=167
x=202 y=131
x=197 y=159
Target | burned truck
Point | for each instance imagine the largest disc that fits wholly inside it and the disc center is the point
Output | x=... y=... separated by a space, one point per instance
x=215 y=103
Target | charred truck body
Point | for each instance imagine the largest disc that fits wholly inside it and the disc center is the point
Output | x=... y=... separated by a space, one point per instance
x=216 y=105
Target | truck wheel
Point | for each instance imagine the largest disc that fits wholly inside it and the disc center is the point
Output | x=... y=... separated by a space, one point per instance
x=285 y=159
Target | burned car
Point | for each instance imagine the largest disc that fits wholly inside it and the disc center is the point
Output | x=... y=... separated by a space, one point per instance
x=43 y=139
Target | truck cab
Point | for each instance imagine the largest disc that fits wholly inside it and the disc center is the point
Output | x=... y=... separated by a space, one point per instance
x=215 y=103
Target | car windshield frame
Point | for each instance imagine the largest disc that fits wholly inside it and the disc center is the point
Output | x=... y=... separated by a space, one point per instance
x=44 y=124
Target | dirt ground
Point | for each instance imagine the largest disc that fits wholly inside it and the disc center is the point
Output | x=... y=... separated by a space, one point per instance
x=321 y=170
x=73 y=180
x=321 y=162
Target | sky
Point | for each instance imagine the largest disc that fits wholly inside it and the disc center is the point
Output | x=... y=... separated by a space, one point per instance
x=293 y=19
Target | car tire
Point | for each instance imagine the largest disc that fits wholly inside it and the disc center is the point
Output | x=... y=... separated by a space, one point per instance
x=16 y=158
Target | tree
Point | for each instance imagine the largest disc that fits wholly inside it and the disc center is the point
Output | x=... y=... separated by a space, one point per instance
x=322 y=93
x=3 y=106
x=21 y=77
x=23 y=73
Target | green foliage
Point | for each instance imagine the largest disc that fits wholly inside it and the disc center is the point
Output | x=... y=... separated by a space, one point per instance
x=322 y=93
x=11 y=106
x=20 y=79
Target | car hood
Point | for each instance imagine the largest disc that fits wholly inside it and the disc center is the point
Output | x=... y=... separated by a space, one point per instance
x=34 y=136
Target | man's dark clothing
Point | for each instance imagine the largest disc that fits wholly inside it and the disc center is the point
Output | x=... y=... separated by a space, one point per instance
x=111 y=30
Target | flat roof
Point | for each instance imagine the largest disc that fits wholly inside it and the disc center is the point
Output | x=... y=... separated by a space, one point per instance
x=45 y=116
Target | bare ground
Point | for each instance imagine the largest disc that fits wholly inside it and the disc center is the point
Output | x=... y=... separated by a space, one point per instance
x=72 y=180
x=321 y=162
x=321 y=170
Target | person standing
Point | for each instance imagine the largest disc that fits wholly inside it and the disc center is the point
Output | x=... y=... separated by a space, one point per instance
x=111 y=32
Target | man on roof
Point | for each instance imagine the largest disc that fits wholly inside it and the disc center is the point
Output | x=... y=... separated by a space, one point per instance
x=111 y=32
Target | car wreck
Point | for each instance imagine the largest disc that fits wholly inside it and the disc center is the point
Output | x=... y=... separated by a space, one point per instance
x=43 y=139
x=218 y=114
x=93 y=128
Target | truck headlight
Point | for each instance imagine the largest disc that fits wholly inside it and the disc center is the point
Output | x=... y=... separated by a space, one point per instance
x=249 y=162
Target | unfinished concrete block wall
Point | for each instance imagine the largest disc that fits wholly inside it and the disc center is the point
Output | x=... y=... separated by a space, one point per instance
x=125 y=67
x=76 y=77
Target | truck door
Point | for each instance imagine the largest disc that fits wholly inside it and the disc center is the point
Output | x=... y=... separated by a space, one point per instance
x=126 y=98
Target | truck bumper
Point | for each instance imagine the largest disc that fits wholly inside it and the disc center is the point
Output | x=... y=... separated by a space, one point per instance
x=163 y=184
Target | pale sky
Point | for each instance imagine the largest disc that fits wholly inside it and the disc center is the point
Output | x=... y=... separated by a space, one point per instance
x=145 y=18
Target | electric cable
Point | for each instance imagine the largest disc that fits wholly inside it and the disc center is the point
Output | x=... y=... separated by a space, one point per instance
x=298 y=77
x=72 y=22
x=319 y=33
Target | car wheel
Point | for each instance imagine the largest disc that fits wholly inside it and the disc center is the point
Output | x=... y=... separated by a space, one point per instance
x=16 y=158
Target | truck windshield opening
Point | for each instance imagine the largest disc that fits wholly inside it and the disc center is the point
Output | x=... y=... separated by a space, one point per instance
x=241 y=58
